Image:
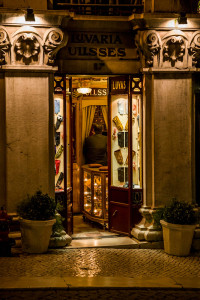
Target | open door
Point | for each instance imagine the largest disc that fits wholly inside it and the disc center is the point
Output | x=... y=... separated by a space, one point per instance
x=119 y=189
x=63 y=150
x=124 y=155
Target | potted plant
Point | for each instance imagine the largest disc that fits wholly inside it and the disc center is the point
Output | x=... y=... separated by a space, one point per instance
x=178 y=220
x=37 y=216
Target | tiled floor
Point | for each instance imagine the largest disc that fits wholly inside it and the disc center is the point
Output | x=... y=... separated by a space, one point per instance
x=91 y=235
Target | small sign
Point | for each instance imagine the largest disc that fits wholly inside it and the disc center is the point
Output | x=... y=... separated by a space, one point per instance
x=119 y=85
x=95 y=92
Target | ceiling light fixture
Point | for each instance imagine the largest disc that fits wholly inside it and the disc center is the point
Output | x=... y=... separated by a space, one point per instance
x=182 y=19
x=84 y=90
x=84 y=87
x=29 y=16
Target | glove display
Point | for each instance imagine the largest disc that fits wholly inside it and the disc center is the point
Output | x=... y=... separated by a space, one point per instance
x=118 y=156
x=118 y=123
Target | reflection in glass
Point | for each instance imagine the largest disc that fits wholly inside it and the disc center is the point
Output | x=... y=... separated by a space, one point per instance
x=97 y=197
x=119 y=142
x=87 y=192
x=136 y=141
x=59 y=141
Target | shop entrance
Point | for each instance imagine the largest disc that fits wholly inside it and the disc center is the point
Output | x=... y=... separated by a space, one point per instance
x=107 y=194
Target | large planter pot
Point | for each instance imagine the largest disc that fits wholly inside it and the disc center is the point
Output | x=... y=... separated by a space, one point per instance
x=177 y=238
x=36 y=235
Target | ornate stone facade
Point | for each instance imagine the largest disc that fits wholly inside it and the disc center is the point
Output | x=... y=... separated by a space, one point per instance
x=173 y=49
x=4 y=45
x=26 y=46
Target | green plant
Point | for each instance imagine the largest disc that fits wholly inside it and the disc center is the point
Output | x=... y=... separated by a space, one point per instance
x=37 y=207
x=178 y=212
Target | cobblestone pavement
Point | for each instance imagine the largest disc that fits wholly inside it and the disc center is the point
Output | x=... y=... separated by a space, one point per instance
x=132 y=263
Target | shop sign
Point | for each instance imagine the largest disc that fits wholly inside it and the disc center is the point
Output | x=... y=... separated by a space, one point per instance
x=118 y=85
x=103 y=46
x=94 y=92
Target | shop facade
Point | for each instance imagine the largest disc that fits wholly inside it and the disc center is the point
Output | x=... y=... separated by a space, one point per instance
x=151 y=63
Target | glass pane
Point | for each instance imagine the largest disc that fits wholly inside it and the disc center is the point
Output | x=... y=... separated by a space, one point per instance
x=106 y=197
x=136 y=141
x=59 y=142
x=97 y=212
x=87 y=192
x=68 y=165
x=119 y=142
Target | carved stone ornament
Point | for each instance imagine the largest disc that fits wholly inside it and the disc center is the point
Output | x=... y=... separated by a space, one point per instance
x=27 y=48
x=53 y=42
x=174 y=49
x=148 y=44
x=152 y=47
x=4 y=46
x=194 y=50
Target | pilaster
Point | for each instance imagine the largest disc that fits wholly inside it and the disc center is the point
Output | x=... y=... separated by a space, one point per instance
x=169 y=58
x=27 y=130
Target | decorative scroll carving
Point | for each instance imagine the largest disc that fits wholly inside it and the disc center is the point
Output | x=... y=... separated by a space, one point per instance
x=194 y=50
x=27 y=48
x=149 y=45
x=53 y=42
x=4 y=46
x=174 y=49
x=152 y=47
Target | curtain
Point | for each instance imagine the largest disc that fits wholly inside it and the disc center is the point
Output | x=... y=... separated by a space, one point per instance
x=87 y=119
x=105 y=114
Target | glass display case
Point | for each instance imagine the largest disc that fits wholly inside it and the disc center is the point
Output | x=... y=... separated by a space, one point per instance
x=62 y=144
x=125 y=152
x=95 y=194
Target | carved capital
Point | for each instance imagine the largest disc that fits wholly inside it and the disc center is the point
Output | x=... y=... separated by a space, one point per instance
x=174 y=49
x=27 y=48
x=148 y=43
x=194 y=50
x=54 y=41
x=4 y=46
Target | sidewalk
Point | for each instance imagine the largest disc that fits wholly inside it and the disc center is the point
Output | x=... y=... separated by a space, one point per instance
x=100 y=273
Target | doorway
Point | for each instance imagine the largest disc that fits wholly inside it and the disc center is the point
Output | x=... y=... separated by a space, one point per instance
x=79 y=103
x=83 y=190
x=89 y=107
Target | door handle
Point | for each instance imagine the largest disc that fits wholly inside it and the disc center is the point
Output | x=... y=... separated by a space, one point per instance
x=115 y=212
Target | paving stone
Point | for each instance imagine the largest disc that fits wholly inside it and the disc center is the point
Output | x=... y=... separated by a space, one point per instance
x=132 y=263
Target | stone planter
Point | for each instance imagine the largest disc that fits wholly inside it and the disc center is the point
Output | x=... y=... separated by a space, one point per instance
x=36 y=235
x=177 y=238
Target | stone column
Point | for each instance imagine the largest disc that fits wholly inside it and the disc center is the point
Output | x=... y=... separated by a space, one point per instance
x=28 y=156
x=171 y=142
x=140 y=229
x=26 y=111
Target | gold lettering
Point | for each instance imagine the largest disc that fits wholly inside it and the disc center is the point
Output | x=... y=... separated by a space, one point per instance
x=119 y=85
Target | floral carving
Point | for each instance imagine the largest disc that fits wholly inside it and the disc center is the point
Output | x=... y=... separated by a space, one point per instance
x=174 y=49
x=27 y=48
x=4 y=45
x=52 y=44
x=194 y=50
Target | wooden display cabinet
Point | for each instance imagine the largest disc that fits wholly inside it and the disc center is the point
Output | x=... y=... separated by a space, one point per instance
x=95 y=195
